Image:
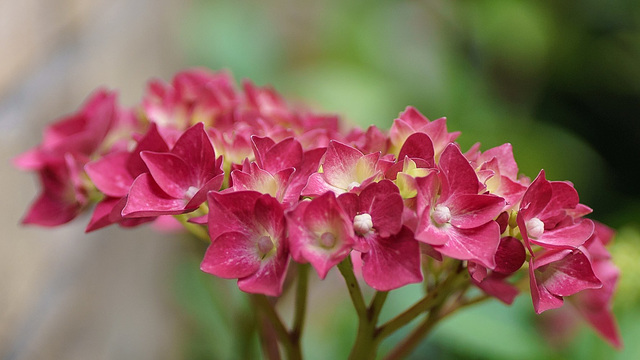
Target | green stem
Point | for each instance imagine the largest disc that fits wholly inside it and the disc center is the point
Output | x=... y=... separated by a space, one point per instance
x=263 y=303
x=346 y=269
x=405 y=347
x=301 y=305
x=366 y=345
x=433 y=298
x=196 y=229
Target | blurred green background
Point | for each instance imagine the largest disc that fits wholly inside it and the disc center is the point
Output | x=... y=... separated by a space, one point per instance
x=558 y=80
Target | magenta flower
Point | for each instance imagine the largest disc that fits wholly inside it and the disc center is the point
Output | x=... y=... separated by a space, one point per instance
x=80 y=134
x=179 y=180
x=63 y=194
x=114 y=174
x=412 y=121
x=248 y=243
x=320 y=233
x=390 y=254
x=558 y=273
x=344 y=169
x=509 y=258
x=498 y=171
x=453 y=217
x=281 y=169
x=595 y=305
x=544 y=220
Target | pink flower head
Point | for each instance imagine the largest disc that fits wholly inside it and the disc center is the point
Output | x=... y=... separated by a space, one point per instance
x=558 y=273
x=595 y=305
x=453 y=217
x=390 y=254
x=63 y=195
x=113 y=175
x=281 y=169
x=543 y=218
x=344 y=169
x=248 y=243
x=179 y=180
x=509 y=258
x=320 y=232
x=498 y=171
x=79 y=134
x=193 y=96
x=412 y=121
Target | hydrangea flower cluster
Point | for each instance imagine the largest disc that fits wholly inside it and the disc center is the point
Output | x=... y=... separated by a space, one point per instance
x=273 y=183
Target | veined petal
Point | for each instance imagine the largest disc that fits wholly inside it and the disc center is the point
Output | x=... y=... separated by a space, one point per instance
x=460 y=176
x=392 y=262
x=170 y=172
x=479 y=244
x=231 y=255
x=570 y=236
x=110 y=175
x=146 y=198
x=469 y=210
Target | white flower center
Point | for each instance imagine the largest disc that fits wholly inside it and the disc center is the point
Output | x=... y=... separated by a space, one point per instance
x=353 y=185
x=363 y=224
x=441 y=214
x=535 y=228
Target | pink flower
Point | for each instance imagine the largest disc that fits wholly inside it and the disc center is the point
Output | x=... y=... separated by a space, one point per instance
x=390 y=254
x=453 y=217
x=248 y=243
x=595 y=305
x=179 y=180
x=544 y=215
x=113 y=175
x=320 y=232
x=63 y=195
x=412 y=121
x=344 y=169
x=80 y=134
x=554 y=274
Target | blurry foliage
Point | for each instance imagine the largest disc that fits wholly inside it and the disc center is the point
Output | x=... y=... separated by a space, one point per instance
x=558 y=79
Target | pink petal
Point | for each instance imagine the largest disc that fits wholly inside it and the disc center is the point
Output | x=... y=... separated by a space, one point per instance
x=269 y=278
x=231 y=255
x=339 y=164
x=469 y=210
x=478 y=244
x=147 y=199
x=506 y=162
x=564 y=272
x=260 y=147
x=510 y=256
x=231 y=212
x=151 y=141
x=110 y=175
x=285 y=154
x=170 y=172
x=392 y=262
x=460 y=176
x=418 y=145
x=536 y=198
x=195 y=149
x=570 y=236
x=101 y=214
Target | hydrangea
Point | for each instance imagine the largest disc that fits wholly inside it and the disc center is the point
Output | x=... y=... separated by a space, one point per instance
x=270 y=183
